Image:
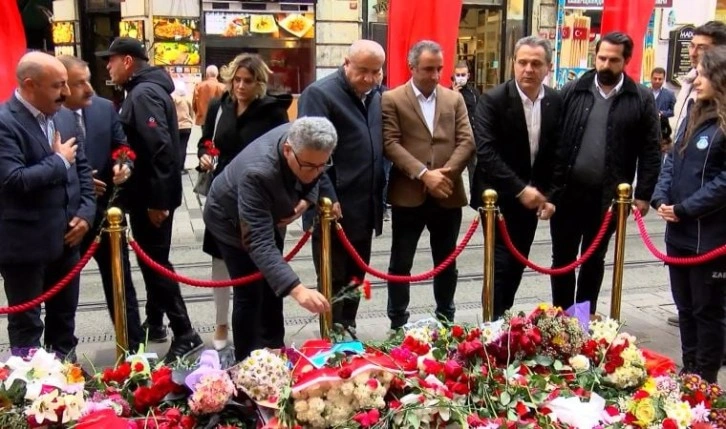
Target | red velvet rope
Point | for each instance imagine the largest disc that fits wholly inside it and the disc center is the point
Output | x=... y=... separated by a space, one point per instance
x=674 y=260
x=50 y=293
x=406 y=279
x=560 y=270
x=146 y=259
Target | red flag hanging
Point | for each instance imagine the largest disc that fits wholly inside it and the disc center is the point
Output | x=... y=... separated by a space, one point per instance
x=410 y=21
x=630 y=17
x=12 y=39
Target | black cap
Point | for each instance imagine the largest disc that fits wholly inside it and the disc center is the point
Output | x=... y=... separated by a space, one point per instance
x=125 y=46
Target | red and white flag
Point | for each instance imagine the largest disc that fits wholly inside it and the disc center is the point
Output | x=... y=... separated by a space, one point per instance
x=12 y=40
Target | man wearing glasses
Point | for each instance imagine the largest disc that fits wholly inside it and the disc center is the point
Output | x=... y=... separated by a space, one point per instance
x=350 y=100
x=264 y=188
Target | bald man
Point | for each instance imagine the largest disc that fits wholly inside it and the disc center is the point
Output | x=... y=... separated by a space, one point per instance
x=47 y=204
x=355 y=181
x=204 y=92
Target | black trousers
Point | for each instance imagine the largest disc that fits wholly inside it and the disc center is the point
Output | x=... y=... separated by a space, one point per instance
x=573 y=227
x=183 y=141
x=522 y=226
x=103 y=260
x=344 y=270
x=257 y=318
x=699 y=292
x=163 y=295
x=24 y=282
x=407 y=224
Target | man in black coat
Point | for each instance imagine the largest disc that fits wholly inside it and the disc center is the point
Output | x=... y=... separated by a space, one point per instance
x=461 y=83
x=99 y=123
x=46 y=204
x=610 y=128
x=355 y=180
x=154 y=191
x=516 y=130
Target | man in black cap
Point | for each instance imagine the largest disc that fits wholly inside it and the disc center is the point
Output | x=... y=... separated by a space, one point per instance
x=154 y=191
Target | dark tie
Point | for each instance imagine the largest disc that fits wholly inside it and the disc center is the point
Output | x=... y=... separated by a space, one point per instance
x=81 y=127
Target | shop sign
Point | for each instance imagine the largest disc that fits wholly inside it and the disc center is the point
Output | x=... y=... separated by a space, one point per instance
x=679 y=62
x=271 y=25
x=599 y=3
x=133 y=29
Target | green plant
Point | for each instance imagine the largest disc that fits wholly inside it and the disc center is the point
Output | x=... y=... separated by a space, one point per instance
x=381 y=6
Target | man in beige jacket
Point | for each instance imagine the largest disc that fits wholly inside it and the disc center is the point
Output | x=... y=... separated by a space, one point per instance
x=427 y=136
x=204 y=92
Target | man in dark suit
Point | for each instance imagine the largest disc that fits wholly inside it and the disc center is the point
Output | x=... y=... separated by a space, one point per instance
x=46 y=204
x=355 y=180
x=100 y=124
x=149 y=119
x=516 y=127
x=427 y=136
x=665 y=102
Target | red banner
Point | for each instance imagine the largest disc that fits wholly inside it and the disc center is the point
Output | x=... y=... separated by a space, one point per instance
x=630 y=17
x=410 y=21
x=12 y=40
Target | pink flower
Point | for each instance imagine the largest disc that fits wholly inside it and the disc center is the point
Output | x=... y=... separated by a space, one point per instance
x=367 y=419
x=212 y=393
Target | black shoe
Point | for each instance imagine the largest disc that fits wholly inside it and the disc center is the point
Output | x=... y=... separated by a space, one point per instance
x=154 y=333
x=184 y=346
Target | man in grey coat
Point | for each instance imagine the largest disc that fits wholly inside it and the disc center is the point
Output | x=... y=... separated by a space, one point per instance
x=267 y=186
x=355 y=181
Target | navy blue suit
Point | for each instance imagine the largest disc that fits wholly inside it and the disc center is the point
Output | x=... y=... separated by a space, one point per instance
x=38 y=198
x=104 y=134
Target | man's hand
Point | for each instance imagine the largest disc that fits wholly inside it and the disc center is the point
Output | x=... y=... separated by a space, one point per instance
x=310 y=299
x=667 y=213
x=546 y=211
x=205 y=163
x=437 y=183
x=99 y=186
x=121 y=173
x=300 y=208
x=531 y=198
x=337 y=211
x=157 y=217
x=457 y=87
x=77 y=229
x=642 y=206
x=67 y=150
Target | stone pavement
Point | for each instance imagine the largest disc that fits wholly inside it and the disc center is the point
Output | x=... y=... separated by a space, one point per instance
x=646 y=297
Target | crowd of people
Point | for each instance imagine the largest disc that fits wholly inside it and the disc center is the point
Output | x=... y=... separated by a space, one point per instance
x=552 y=155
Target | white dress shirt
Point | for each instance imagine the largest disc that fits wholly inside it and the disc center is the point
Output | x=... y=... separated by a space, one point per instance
x=428 y=106
x=614 y=91
x=533 y=116
x=45 y=123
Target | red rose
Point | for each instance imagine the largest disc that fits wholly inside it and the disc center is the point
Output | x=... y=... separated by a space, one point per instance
x=367 y=419
x=138 y=367
x=345 y=373
x=457 y=331
x=432 y=367
x=367 y=289
x=612 y=411
x=521 y=409
x=460 y=389
x=641 y=394
x=372 y=383
x=188 y=422
x=669 y=424
x=453 y=369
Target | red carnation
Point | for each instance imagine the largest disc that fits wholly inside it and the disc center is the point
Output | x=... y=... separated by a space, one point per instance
x=641 y=394
x=367 y=418
x=457 y=331
x=123 y=154
x=366 y=288
x=453 y=369
x=345 y=372
x=669 y=424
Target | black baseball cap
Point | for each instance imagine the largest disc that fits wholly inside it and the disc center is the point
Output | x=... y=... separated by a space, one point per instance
x=125 y=46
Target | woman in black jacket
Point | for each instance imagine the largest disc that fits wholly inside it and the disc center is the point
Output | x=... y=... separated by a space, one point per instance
x=691 y=197
x=247 y=112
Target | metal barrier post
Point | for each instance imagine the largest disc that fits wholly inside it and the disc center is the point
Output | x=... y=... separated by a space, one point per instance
x=623 y=205
x=490 y=216
x=326 y=265
x=114 y=216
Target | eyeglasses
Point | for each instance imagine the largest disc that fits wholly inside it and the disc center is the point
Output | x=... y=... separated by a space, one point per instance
x=312 y=167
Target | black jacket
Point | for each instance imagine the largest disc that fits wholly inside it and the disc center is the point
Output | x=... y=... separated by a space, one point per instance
x=234 y=132
x=149 y=119
x=502 y=144
x=356 y=177
x=633 y=135
x=695 y=182
x=471 y=98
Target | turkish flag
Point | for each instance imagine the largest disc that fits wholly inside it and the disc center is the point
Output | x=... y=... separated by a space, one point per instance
x=630 y=17
x=410 y=21
x=12 y=40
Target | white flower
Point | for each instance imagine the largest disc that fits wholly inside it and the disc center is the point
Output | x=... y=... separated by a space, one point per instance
x=45 y=407
x=680 y=412
x=700 y=413
x=73 y=407
x=579 y=363
x=606 y=328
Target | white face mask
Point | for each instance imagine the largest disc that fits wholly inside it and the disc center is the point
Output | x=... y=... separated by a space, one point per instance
x=461 y=81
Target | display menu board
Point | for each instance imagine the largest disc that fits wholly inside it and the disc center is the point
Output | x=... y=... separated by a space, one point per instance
x=132 y=29
x=176 y=42
x=176 y=29
x=679 y=62
x=176 y=54
x=64 y=33
x=273 y=25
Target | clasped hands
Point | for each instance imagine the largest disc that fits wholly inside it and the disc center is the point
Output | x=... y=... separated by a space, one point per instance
x=532 y=198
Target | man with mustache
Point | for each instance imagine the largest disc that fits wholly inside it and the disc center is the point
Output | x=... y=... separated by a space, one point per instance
x=610 y=129
x=98 y=121
x=46 y=204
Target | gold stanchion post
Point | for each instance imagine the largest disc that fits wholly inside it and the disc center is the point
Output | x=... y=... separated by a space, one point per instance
x=114 y=216
x=490 y=216
x=326 y=265
x=623 y=205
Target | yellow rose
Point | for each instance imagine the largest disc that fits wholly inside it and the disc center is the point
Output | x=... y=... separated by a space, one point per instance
x=644 y=412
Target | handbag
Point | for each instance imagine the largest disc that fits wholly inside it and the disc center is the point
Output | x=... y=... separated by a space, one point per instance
x=204 y=179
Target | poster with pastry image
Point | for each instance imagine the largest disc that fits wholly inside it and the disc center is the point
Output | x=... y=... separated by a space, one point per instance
x=64 y=33
x=133 y=29
x=177 y=29
x=300 y=25
x=176 y=54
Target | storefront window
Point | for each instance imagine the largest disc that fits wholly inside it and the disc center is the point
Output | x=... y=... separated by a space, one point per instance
x=515 y=31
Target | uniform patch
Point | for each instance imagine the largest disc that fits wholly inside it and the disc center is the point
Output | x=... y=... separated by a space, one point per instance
x=151 y=122
x=702 y=143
